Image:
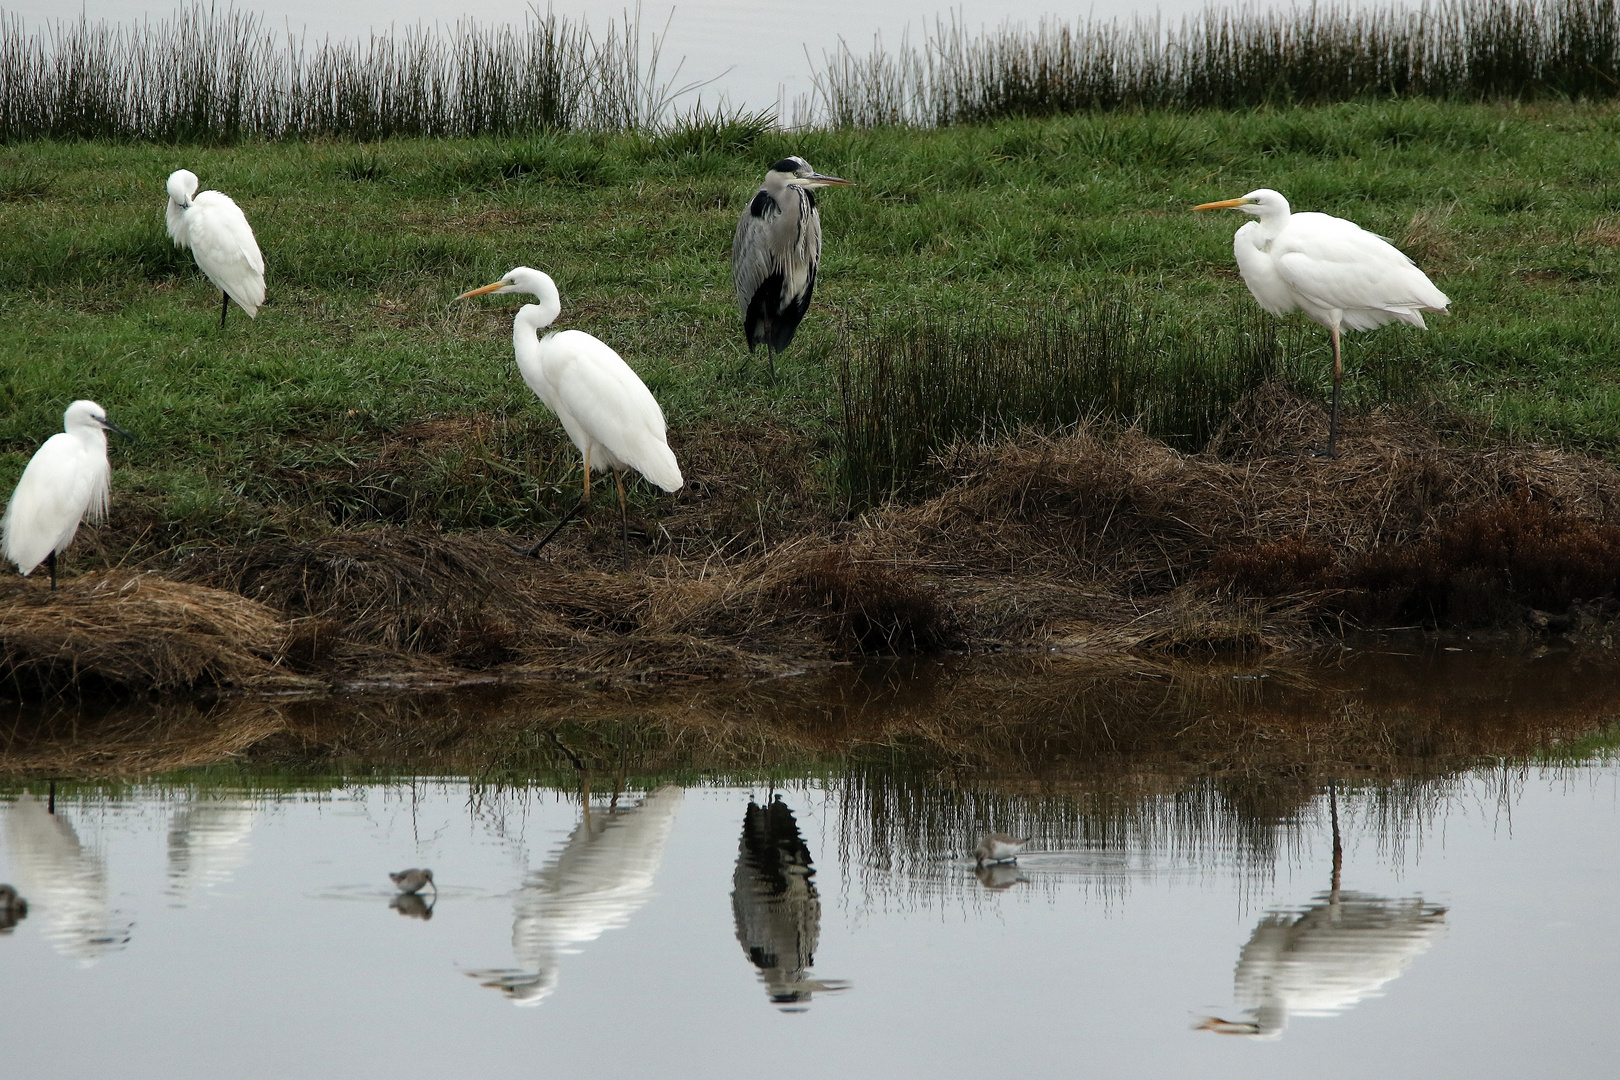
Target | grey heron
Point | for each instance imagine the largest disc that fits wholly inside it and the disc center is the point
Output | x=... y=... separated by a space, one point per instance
x=1333 y=270
x=776 y=252
x=220 y=239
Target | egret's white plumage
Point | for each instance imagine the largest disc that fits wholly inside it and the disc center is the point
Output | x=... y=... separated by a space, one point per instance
x=604 y=406
x=66 y=481
x=1336 y=272
x=217 y=232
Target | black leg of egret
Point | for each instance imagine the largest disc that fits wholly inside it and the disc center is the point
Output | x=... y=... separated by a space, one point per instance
x=224 y=308
x=50 y=563
x=566 y=518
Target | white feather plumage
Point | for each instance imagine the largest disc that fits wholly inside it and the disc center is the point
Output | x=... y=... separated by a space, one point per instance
x=66 y=481
x=217 y=232
x=607 y=410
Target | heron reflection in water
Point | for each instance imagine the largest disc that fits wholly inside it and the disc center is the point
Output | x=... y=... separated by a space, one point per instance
x=208 y=842
x=1326 y=958
x=66 y=881
x=601 y=877
x=777 y=909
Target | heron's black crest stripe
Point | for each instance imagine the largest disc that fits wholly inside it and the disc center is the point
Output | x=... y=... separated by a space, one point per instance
x=786 y=165
x=763 y=204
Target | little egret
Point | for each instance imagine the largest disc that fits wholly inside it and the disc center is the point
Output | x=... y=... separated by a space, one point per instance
x=1335 y=271
x=65 y=481
x=776 y=253
x=220 y=239
x=604 y=406
x=999 y=847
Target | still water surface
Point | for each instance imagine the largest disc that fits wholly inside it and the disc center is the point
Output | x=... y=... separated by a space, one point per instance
x=811 y=926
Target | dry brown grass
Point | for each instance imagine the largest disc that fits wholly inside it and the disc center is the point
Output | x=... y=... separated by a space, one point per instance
x=129 y=632
x=1097 y=541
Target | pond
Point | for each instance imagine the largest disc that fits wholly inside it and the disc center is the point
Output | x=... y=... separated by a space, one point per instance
x=826 y=917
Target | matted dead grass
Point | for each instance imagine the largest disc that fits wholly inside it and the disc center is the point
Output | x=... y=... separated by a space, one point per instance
x=1098 y=541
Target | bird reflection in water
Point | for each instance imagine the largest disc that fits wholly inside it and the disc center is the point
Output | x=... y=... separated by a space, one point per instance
x=1327 y=957
x=13 y=909
x=601 y=877
x=999 y=876
x=208 y=843
x=412 y=905
x=66 y=880
x=776 y=907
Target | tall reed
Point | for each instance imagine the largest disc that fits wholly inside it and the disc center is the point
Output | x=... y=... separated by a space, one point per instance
x=207 y=75
x=1229 y=58
x=911 y=387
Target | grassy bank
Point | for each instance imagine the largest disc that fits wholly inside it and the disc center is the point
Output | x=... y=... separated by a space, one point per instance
x=363 y=395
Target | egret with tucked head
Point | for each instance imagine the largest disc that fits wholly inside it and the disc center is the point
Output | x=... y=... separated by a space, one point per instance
x=1335 y=271
x=776 y=253
x=220 y=239
x=604 y=406
x=66 y=481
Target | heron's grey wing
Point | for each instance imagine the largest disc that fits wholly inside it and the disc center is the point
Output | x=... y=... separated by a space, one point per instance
x=752 y=257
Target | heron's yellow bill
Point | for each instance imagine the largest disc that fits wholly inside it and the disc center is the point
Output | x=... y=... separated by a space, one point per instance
x=1224 y=204
x=480 y=292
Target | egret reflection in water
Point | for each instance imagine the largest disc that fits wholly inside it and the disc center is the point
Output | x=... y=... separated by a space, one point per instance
x=601 y=877
x=65 y=881
x=776 y=906
x=1326 y=957
x=208 y=842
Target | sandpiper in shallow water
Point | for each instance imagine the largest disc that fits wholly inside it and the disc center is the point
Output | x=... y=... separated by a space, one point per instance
x=411 y=881
x=999 y=848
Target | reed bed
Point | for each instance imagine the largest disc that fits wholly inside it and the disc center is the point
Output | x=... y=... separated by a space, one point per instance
x=1228 y=58
x=915 y=385
x=207 y=75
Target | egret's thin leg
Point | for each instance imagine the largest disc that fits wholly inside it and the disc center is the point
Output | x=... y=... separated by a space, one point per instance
x=224 y=308
x=624 y=519
x=50 y=562
x=1338 y=377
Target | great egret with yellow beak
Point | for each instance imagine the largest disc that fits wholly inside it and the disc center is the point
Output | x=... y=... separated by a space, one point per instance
x=1336 y=272
x=604 y=406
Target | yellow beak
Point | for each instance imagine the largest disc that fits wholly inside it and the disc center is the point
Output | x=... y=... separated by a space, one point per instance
x=480 y=292
x=1224 y=204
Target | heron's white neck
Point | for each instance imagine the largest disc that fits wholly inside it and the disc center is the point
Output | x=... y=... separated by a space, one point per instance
x=533 y=318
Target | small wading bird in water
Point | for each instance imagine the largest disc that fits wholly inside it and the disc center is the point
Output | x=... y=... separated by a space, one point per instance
x=220 y=239
x=1333 y=270
x=999 y=847
x=66 y=481
x=410 y=882
x=776 y=253
x=604 y=406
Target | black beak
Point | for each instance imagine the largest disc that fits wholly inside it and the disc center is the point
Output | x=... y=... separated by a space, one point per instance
x=116 y=430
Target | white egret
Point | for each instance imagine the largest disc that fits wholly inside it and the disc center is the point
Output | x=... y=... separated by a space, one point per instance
x=999 y=847
x=220 y=239
x=1333 y=270
x=604 y=406
x=776 y=252
x=66 y=481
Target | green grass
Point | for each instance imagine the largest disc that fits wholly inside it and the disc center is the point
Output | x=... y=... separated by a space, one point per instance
x=284 y=423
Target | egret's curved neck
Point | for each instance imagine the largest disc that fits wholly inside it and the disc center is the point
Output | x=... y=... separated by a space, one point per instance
x=1272 y=218
x=91 y=437
x=531 y=319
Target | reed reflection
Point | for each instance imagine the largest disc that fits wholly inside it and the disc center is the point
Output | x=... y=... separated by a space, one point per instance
x=65 y=880
x=208 y=842
x=776 y=906
x=1324 y=958
x=601 y=877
